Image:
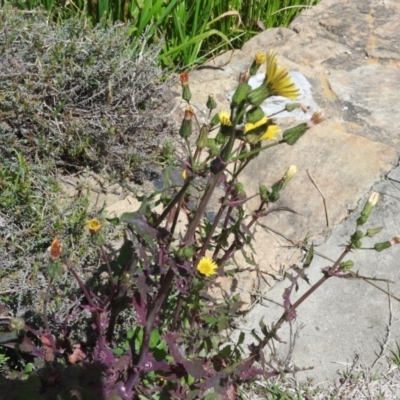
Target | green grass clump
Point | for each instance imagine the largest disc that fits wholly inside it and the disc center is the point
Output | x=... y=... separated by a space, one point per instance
x=191 y=31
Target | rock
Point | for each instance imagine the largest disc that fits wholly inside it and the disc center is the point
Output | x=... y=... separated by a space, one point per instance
x=348 y=54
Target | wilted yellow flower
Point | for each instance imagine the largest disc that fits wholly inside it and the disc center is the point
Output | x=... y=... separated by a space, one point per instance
x=207 y=266
x=55 y=249
x=225 y=118
x=316 y=119
x=260 y=58
x=278 y=79
x=189 y=112
x=184 y=78
x=93 y=226
x=395 y=240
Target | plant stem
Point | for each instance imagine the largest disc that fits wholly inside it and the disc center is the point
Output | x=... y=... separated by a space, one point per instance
x=284 y=317
x=144 y=350
x=92 y=304
x=213 y=227
x=255 y=151
x=104 y=254
x=46 y=321
x=173 y=202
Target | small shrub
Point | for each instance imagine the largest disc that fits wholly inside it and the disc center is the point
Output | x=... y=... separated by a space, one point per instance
x=81 y=97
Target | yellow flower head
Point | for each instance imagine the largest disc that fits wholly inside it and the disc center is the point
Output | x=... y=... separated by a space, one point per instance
x=260 y=58
x=224 y=118
x=271 y=133
x=278 y=80
x=207 y=266
x=93 y=226
x=249 y=126
x=263 y=129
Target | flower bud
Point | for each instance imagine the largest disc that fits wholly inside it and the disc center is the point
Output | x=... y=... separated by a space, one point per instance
x=369 y=206
x=291 y=171
x=211 y=104
x=382 y=246
x=282 y=183
x=214 y=120
x=292 y=135
x=264 y=193
x=292 y=106
x=186 y=94
x=239 y=97
x=357 y=235
x=186 y=128
x=373 y=231
x=203 y=137
x=239 y=189
x=274 y=196
x=186 y=252
x=346 y=265
x=259 y=59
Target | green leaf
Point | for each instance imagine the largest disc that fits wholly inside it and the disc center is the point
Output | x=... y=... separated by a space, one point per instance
x=210 y=320
x=118 y=352
x=113 y=221
x=154 y=338
x=242 y=336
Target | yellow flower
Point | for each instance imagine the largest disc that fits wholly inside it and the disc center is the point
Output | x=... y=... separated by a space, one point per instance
x=278 y=80
x=271 y=133
x=260 y=58
x=224 y=118
x=93 y=226
x=249 y=126
x=55 y=249
x=207 y=266
x=261 y=130
x=184 y=174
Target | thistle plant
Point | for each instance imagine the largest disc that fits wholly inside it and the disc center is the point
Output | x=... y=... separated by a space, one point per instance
x=176 y=346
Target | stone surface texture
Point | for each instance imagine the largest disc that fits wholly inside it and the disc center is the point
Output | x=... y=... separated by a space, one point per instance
x=348 y=52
